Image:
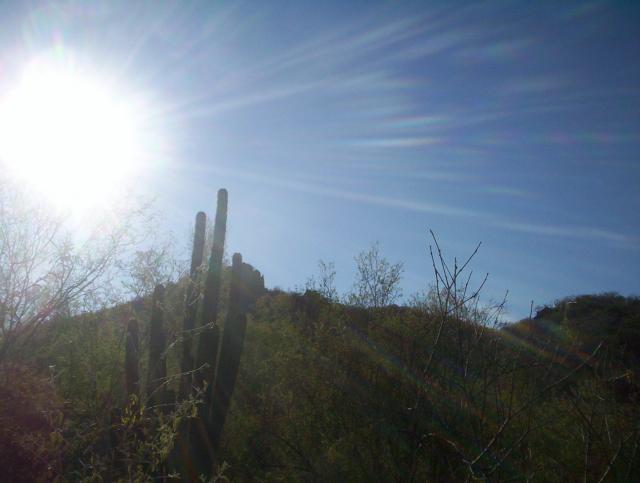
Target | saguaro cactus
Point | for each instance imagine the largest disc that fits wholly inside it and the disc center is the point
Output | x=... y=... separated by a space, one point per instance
x=231 y=348
x=214 y=377
x=200 y=431
x=191 y=305
x=157 y=347
x=210 y=336
x=131 y=359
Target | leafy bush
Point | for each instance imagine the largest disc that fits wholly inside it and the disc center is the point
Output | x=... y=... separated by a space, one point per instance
x=31 y=431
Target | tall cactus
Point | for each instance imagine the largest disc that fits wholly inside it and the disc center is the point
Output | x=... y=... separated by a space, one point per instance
x=131 y=359
x=157 y=347
x=207 y=353
x=231 y=348
x=191 y=305
x=198 y=440
x=210 y=336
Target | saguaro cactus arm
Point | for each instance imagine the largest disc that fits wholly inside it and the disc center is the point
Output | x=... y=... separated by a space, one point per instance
x=231 y=348
x=157 y=348
x=207 y=353
x=131 y=358
x=209 y=338
x=191 y=305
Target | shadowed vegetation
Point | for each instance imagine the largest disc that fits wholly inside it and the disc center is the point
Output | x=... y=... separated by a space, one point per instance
x=212 y=377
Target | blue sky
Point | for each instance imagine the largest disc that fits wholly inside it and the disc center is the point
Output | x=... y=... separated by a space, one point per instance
x=337 y=124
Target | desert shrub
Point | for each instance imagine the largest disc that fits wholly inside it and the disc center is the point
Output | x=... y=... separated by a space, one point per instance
x=31 y=425
x=437 y=392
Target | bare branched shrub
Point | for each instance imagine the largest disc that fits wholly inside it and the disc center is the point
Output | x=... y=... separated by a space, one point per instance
x=377 y=281
x=511 y=400
x=47 y=270
x=151 y=267
x=324 y=282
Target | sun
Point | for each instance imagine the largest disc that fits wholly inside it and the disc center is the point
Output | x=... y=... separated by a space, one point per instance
x=68 y=134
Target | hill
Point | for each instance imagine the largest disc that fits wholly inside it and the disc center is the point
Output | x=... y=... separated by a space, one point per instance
x=333 y=392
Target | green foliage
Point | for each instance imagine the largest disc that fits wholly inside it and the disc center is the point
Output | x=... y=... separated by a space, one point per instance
x=609 y=317
x=324 y=391
x=329 y=392
x=377 y=280
x=31 y=425
x=335 y=393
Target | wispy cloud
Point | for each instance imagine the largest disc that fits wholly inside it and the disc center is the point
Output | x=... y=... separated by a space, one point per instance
x=239 y=102
x=581 y=9
x=568 y=231
x=496 y=51
x=547 y=230
x=532 y=85
x=440 y=42
x=507 y=191
x=399 y=142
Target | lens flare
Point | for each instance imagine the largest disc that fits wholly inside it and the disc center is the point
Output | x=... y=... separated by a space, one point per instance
x=68 y=134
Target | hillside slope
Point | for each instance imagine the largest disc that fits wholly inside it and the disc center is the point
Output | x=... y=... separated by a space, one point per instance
x=334 y=393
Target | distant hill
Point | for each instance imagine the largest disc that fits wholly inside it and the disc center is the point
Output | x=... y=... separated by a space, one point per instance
x=586 y=321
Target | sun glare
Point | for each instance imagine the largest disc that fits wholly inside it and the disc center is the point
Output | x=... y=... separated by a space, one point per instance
x=68 y=135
